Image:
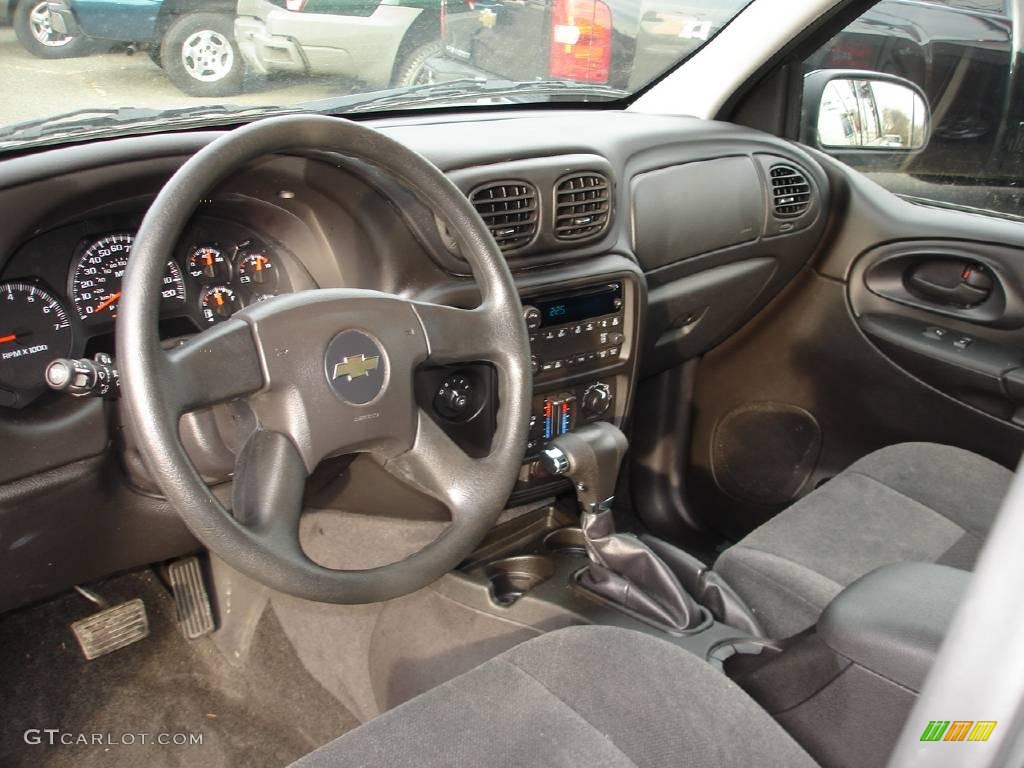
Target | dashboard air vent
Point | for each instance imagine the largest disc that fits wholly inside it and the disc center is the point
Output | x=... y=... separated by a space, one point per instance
x=509 y=209
x=582 y=206
x=791 y=192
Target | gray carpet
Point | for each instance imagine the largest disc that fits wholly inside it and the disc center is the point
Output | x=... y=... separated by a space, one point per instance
x=265 y=713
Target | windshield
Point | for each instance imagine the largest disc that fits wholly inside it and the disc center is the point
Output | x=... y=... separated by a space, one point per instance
x=77 y=68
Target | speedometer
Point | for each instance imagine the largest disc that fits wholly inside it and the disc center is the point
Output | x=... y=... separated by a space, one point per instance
x=96 y=280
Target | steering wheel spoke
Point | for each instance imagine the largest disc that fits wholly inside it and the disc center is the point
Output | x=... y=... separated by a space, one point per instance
x=270 y=480
x=436 y=466
x=222 y=363
x=458 y=335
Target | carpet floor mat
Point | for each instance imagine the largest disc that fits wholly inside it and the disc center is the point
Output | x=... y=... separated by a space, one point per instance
x=267 y=711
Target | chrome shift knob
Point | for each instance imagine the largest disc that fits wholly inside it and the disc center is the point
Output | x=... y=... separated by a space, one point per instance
x=554 y=461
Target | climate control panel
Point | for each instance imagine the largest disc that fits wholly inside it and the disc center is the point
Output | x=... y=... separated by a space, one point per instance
x=555 y=413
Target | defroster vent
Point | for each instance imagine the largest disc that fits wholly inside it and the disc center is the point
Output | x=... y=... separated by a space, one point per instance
x=510 y=211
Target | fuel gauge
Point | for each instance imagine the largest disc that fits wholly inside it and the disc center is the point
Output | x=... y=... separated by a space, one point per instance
x=218 y=302
x=257 y=272
x=207 y=264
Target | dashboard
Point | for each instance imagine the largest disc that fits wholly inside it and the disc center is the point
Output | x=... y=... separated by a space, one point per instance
x=61 y=290
x=636 y=242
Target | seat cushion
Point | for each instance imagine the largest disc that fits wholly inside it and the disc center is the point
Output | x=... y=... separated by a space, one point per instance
x=583 y=696
x=913 y=501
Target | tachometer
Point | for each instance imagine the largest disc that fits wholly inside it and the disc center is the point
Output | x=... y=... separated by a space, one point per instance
x=34 y=329
x=96 y=280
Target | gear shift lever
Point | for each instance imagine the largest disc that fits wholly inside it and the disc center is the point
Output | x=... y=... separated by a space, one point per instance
x=623 y=569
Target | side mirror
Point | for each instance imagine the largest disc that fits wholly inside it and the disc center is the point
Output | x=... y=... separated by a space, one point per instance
x=849 y=111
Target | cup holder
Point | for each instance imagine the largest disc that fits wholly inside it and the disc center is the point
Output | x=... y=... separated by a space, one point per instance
x=566 y=541
x=513 y=577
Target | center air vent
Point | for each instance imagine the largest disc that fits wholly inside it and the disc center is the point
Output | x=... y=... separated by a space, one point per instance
x=582 y=206
x=791 y=192
x=509 y=209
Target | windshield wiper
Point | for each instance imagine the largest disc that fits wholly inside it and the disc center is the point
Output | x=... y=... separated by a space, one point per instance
x=463 y=90
x=99 y=122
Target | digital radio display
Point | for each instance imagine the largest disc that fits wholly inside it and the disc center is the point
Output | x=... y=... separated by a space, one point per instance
x=571 y=309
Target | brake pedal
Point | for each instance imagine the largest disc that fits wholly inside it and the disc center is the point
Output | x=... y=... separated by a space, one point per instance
x=192 y=601
x=112 y=628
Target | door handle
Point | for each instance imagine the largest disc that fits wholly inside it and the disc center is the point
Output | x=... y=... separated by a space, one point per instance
x=950 y=282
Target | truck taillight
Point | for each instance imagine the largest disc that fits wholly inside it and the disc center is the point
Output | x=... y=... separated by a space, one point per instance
x=581 y=41
x=295 y=5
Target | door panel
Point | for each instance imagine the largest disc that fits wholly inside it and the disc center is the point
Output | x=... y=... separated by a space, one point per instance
x=847 y=359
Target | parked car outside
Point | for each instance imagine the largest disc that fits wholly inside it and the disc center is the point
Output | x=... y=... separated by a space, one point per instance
x=378 y=43
x=193 y=40
x=612 y=42
x=31 y=22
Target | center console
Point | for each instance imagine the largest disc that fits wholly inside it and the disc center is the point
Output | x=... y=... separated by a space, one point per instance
x=583 y=344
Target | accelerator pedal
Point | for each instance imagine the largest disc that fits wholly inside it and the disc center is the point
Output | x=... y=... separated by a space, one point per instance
x=191 y=599
x=112 y=628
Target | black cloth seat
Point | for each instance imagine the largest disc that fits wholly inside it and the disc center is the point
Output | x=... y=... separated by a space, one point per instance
x=912 y=501
x=593 y=697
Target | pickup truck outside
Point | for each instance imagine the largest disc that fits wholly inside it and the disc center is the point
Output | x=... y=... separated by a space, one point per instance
x=612 y=42
x=193 y=40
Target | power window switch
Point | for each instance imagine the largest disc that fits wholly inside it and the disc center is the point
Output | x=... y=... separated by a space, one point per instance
x=963 y=342
x=936 y=333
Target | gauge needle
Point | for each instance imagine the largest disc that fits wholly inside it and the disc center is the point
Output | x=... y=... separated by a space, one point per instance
x=107 y=301
x=9 y=337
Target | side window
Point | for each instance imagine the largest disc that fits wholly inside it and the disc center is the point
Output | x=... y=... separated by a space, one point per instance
x=961 y=53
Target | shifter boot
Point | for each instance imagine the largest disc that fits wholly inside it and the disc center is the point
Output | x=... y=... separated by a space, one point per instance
x=625 y=571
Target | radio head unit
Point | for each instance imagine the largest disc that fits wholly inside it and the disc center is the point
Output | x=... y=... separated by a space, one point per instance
x=576 y=331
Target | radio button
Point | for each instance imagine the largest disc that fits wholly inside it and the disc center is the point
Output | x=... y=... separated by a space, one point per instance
x=533 y=317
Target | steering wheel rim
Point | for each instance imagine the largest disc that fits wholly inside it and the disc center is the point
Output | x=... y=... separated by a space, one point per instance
x=256 y=356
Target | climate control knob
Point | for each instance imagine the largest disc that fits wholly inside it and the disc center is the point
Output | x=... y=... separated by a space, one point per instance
x=597 y=399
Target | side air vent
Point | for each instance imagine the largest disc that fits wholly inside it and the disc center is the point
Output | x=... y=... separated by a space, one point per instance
x=791 y=192
x=582 y=206
x=509 y=209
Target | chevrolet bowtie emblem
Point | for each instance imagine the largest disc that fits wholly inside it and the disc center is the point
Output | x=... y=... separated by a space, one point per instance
x=356 y=366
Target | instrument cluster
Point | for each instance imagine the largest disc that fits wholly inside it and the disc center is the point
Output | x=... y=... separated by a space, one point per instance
x=218 y=268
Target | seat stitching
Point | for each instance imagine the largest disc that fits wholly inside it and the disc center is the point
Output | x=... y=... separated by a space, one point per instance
x=785 y=587
x=571 y=708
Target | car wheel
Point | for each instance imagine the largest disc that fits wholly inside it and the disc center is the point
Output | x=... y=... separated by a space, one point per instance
x=32 y=26
x=199 y=54
x=413 y=69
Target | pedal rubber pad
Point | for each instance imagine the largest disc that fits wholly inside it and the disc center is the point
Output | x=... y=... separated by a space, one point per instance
x=191 y=599
x=112 y=629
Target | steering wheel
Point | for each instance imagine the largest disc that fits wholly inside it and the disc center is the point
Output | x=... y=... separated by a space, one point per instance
x=325 y=372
